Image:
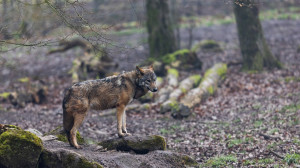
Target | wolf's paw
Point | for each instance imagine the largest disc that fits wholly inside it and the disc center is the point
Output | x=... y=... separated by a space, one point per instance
x=78 y=147
x=124 y=130
x=123 y=134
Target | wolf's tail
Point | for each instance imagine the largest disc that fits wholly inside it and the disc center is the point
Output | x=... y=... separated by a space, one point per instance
x=68 y=119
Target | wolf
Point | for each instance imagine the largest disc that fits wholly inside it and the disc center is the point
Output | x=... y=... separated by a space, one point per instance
x=111 y=92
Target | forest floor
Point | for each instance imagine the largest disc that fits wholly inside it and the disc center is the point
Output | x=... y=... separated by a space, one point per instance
x=253 y=118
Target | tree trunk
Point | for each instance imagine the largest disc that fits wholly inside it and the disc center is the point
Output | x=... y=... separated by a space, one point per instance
x=255 y=51
x=160 y=30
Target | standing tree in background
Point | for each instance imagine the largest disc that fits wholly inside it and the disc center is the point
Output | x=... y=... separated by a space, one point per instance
x=160 y=30
x=255 y=51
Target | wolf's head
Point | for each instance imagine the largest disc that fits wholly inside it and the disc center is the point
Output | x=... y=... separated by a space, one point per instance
x=146 y=78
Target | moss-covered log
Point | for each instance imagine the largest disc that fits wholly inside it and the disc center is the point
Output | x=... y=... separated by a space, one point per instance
x=172 y=82
x=207 y=46
x=185 y=86
x=255 y=51
x=67 y=45
x=182 y=59
x=92 y=65
x=138 y=144
x=207 y=86
x=161 y=37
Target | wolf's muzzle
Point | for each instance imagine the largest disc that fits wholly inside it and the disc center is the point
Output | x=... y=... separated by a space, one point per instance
x=154 y=90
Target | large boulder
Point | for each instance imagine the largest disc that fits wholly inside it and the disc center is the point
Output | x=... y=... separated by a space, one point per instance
x=18 y=148
x=138 y=144
x=61 y=158
x=58 y=154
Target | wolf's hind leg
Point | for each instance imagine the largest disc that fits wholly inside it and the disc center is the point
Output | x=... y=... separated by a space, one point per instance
x=78 y=118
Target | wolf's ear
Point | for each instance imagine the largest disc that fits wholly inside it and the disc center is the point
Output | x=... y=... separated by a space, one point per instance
x=139 y=70
x=151 y=67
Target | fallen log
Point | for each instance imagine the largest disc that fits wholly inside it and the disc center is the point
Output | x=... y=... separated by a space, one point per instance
x=172 y=82
x=184 y=86
x=66 y=45
x=207 y=87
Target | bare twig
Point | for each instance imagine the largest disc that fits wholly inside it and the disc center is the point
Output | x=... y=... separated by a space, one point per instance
x=268 y=136
x=276 y=154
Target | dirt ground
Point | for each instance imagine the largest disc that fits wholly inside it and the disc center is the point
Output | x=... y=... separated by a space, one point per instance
x=253 y=119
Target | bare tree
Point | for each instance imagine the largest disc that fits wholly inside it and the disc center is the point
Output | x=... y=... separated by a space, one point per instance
x=161 y=34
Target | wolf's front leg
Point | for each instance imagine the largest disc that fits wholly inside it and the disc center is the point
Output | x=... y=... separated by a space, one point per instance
x=124 y=130
x=120 y=112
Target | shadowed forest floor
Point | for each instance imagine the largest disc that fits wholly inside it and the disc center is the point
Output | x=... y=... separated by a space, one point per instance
x=253 y=119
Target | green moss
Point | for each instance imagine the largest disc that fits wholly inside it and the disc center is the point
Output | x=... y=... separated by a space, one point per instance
x=222 y=70
x=183 y=90
x=81 y=162
x=140 y=146
x=211 y=90
x=24 y=80
x=234 y=142
x=19 y=147
x=221 y=161
x=174 y=105
x=173 y=72
x=50 y=159
x=196 y=79
x=159 y=79
x=188 y=161
x=156 y=142
x=292 y=158
x=266 y=161
x=61 y=135
x=249 y=162
x=258 y=123
x=84 y=163
x=292 y=78
x=207 y=45
x=169 y=58
x=160 y=141
x=147 y=106
x=5 y=95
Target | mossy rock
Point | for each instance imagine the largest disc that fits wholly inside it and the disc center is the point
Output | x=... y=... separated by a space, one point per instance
x=188 y=161
x=61 y=158
x=207 y=46
x=18 y=148
x=138 y=144
x=61 y=135
x=182 y=59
